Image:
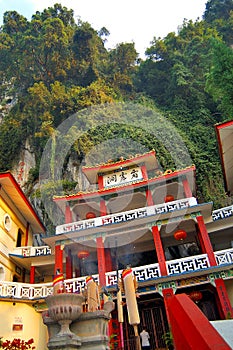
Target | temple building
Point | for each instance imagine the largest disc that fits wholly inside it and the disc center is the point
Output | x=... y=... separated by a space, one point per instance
x=135 y=215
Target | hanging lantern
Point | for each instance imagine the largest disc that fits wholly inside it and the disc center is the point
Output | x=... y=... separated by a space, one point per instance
x=195 y=296
x=90 y=215
x=169 y=198
x=180 y=235
x=83 y=254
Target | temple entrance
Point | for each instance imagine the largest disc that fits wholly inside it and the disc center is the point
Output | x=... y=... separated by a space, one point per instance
x=153 y=318
x=208 y=302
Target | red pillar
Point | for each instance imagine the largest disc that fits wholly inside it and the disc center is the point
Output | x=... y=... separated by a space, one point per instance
x=103 y=208
x=100 y=182
x=68 y=214
x=69 y=265
x=149 y=198
x=223 y=298
x=159 y=250
x=58 y=259
x=204 y=238
x=100 y=249
x=187 y=189
x=101 y=261
x=167 y=294
x=32 y=274
x=108 y=259
x=68 y=219
x=144 y=172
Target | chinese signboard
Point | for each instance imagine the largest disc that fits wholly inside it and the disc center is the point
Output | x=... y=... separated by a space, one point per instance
x=122 y=177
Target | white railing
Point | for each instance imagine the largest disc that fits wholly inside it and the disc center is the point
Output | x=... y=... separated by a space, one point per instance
x=189 y=264
x=25 y=290
x=32 y=251
x=77 y=285
x=127 y=215
x=222 y=213
x=144 y=273
x=224 y=256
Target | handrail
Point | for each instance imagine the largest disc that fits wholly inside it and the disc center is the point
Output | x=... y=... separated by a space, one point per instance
x=146 y=273
x=32 y=251
x=127 y=215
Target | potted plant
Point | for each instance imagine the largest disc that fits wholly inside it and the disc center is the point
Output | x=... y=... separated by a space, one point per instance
x=168 y=339
x=17 y=344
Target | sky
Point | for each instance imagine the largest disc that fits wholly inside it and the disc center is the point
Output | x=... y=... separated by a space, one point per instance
x=126 y=20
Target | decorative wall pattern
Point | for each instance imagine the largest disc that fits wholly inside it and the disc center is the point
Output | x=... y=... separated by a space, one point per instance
x=222 y=213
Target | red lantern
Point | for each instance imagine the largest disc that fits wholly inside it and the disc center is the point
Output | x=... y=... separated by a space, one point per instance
x=195 y=296
x=83 y=254
x=169 y=198
x=90 y=215
x=180 y=235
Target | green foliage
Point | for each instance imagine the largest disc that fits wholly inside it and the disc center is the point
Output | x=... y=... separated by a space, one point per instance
x=174 y=74
x=11 y=142
x=219 y=80
x=54 y=67
x=46 y=193
x=168 y=339
x=219 y=14
x=217 y=9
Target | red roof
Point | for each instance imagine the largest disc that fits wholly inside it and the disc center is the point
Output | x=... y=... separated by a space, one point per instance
x=149 y=159
x=189 y=172
x=13 y=195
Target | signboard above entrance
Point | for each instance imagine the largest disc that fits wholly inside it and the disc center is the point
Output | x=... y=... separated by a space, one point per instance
x=122 y=177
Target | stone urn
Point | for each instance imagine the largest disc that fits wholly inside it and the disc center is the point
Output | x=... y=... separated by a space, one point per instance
x=64 y=308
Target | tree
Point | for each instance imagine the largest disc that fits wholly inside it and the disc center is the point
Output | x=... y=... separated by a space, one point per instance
x=14 y=23
x=220 y=78
x=89 y=51
x=38 y=50
x=174 y=73
x=219 y=14
x=217 y=10
x=121 y=67
x=57 y=11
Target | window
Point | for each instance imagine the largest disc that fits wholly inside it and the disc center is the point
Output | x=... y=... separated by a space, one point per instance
x=7 y=222
x=19 y=238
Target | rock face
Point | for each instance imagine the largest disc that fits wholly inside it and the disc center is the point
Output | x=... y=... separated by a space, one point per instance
x=27 y=161
x=70 y=328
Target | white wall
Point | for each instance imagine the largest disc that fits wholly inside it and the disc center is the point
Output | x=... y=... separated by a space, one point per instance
x=22 y=313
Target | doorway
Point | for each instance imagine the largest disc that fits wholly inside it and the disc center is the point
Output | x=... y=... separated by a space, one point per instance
x=153 y=318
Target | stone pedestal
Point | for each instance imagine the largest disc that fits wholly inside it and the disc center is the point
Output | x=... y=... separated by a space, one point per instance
x=92 y=329
x=63 y=342
x=88 y=331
